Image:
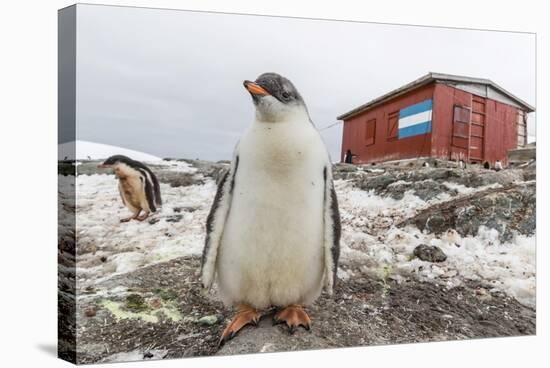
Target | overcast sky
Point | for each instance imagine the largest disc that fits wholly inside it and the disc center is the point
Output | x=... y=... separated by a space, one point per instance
x=169 y=83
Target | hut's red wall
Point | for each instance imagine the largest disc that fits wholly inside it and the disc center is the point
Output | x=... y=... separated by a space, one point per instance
x=354 y=132
x=500 y=133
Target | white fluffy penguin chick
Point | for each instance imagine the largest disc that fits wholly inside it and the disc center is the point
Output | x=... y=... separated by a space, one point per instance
x=273 y=231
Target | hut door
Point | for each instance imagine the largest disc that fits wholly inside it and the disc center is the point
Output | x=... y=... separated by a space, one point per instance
x=477 y=129
x=460 y=140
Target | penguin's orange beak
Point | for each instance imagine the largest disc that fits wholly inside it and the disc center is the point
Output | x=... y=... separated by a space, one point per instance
x=255 y=89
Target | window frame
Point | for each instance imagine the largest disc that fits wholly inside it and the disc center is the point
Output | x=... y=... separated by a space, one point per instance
x=393 y=115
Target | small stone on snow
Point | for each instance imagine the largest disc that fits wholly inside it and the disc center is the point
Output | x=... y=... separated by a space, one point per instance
x=429 y=253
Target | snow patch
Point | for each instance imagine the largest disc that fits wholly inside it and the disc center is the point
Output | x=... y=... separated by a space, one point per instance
x=107 y=247
x=85 y=150
x=462 y=189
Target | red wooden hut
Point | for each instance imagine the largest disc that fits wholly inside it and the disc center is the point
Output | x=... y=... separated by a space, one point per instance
x=441 y=116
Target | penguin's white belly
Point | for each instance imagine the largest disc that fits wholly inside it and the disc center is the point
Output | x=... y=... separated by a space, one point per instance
x=271 y=251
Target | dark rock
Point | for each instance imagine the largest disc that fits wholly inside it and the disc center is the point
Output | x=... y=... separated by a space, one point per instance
x=174 y=218
x=377 y=183
x=436 y=223
x=507 y=210
x=214 y=170
x=343 y=171
x=186 y=209
x=179 y=179
x=90 y=311
x=166 y=294
x=428 y=182
x=425 y=190
x=66 y=168
x=530 y=173
x=429 y=253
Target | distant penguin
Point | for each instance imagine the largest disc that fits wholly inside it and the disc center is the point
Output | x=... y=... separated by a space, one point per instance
x=426 y=164
x=498 y=165
x=138 y=187
x=348 y=157
x=274 y=228
x=461 y=164
x=487 y=165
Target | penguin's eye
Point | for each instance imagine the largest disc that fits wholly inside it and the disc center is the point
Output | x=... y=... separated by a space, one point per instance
x=285 y=95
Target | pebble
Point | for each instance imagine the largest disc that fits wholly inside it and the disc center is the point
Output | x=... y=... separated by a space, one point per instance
x=90 y=312
x=429 y=253
x=208 y=320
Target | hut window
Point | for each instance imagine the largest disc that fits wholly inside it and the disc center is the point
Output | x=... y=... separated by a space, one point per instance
x=370 y=131
x=461 y=121
x=393 y=125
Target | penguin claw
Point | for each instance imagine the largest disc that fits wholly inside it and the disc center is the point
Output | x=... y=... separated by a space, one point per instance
x=246 y=315
x=142 y=217
x=294 y=316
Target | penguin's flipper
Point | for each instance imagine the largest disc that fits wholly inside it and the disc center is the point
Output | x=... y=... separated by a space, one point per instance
x=332 y=231
x=147 y=188
x=156 y=189
x=215 y=223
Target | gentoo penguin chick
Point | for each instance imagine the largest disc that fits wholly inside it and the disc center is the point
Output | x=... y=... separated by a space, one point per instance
x=138 y=186
x=498 y=165
x=273 y=230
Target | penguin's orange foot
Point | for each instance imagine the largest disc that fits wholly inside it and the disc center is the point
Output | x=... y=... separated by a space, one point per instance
x=142 y=217
x=294 y=316
x=245 y=315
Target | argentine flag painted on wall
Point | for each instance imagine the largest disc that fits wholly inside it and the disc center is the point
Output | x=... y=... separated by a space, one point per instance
x=415 y=119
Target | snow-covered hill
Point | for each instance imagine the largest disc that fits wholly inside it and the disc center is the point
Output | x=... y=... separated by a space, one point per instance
x=96 y=151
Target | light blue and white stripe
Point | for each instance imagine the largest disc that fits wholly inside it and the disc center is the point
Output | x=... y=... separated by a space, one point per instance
x=415 y=119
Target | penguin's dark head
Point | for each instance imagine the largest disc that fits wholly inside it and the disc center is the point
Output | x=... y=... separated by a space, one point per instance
x=276 y=99
x=114 y=161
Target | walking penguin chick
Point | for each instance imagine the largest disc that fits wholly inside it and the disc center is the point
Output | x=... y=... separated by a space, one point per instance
x=273 y=230
x=138 y=186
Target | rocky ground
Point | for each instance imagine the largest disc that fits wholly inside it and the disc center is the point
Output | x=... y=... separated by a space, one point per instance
x=428 y=254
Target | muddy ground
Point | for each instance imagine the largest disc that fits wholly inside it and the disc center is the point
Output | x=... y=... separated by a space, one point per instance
x=362 y=312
